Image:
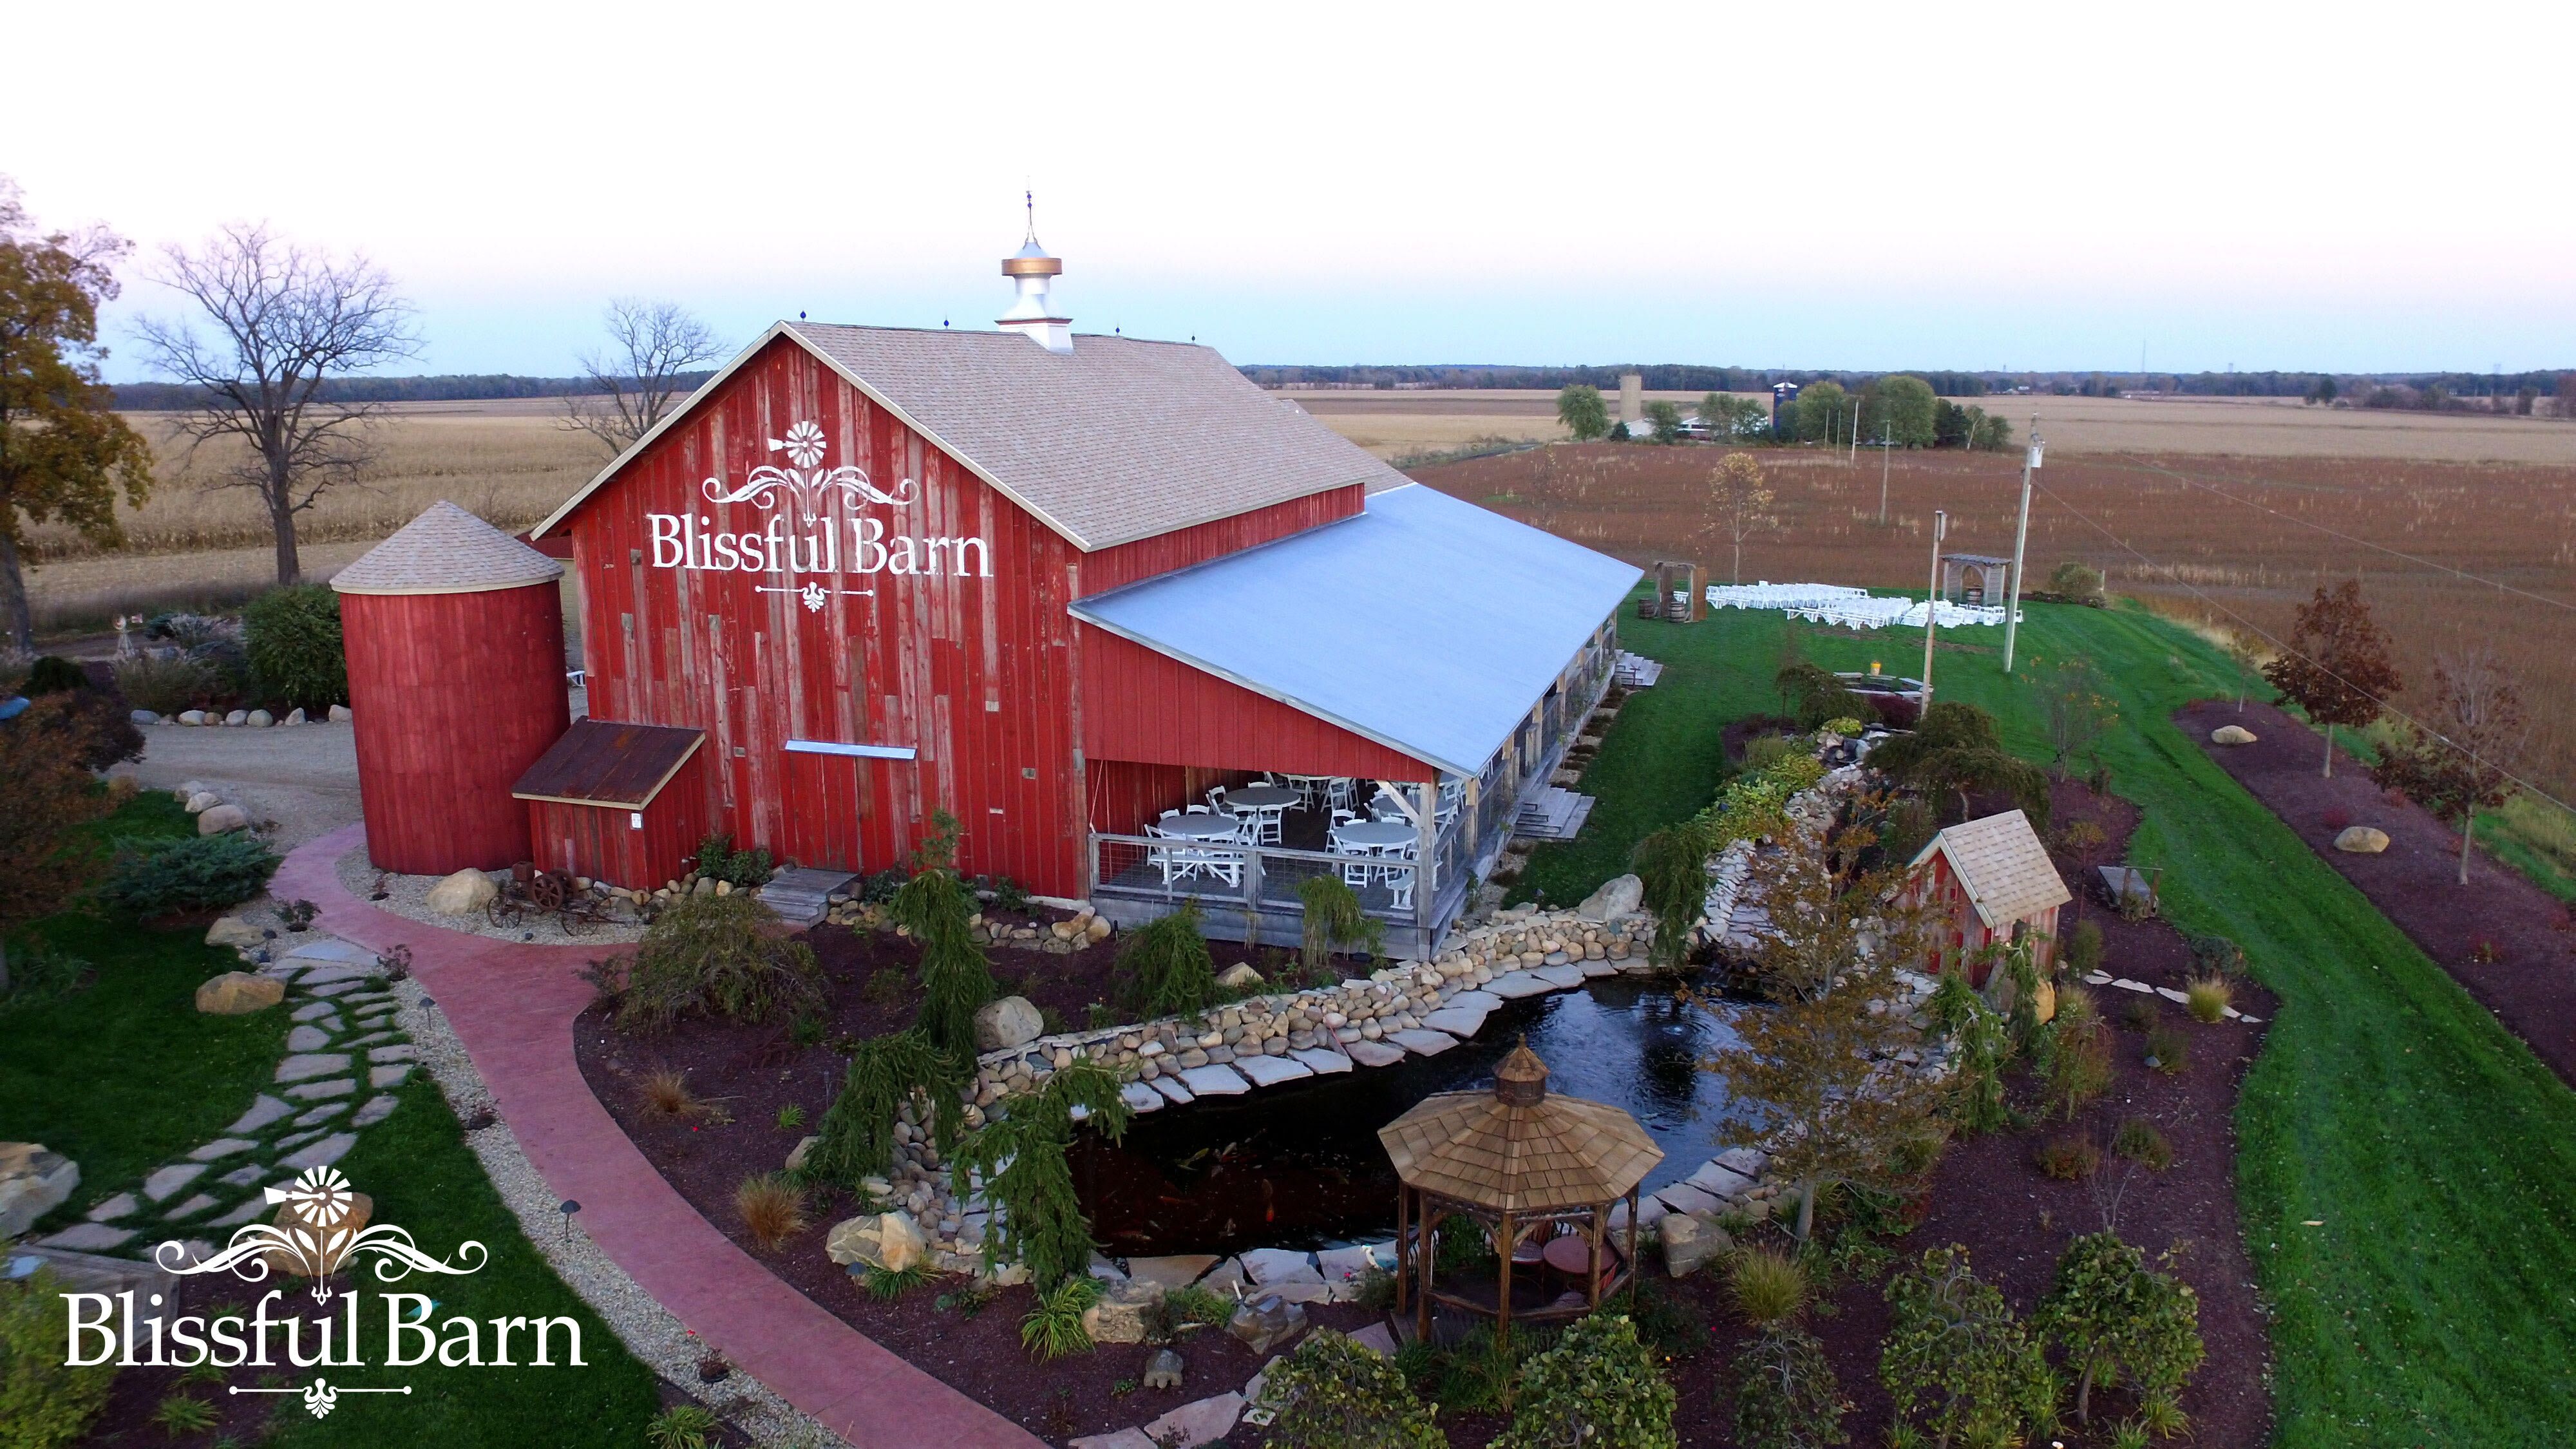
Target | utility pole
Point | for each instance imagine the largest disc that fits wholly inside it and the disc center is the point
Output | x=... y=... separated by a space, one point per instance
x=1932 y=602
x=1854 y=460
x=1882 y=472
x=2021 y=535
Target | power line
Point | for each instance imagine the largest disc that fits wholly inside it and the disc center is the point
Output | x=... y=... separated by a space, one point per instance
x=2284 y=646
x=2436 y=564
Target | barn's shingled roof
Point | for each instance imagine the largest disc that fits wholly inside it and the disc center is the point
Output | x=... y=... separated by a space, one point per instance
x=1120 y=439
x=446 y=550
x=2002 y=866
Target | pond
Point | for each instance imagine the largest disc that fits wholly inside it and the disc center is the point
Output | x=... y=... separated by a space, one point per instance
x=1299 y=1166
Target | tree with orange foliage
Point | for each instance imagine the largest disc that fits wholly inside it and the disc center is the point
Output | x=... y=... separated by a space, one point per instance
x=2337 y=666
x=42 y=859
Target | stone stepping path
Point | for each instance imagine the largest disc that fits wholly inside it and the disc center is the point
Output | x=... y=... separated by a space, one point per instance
x=334 y=1061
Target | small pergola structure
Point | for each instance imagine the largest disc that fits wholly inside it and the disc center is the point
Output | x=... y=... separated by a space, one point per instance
x=1993 y=579
x=1686 y=579
x=1521 y=1165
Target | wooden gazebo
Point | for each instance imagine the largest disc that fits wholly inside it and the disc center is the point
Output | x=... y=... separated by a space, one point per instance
x=1527 y=1168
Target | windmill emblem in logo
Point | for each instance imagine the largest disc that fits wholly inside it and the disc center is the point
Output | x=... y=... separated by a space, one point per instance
x=805 y=479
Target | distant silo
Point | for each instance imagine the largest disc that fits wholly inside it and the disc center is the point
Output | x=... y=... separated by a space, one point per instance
x=454 y=632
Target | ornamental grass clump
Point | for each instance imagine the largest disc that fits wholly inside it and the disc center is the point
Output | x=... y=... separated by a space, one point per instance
x=2207 y=999
x=2140 y=1142
x=772 y=1208
x=1331 y=1393
x=1053 y=1327
x=717 y=956
x=1333 y=920
x=1769 y=1285
x=1597 y=1388
x=1165 y=969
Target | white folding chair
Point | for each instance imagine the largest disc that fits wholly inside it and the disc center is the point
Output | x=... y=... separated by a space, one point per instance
x=1337 y=792
x=1342 y=817
x=1216 y=797
x=1197 y=810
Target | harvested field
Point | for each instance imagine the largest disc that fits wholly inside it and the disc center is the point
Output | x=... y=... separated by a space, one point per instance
x=2226 y=535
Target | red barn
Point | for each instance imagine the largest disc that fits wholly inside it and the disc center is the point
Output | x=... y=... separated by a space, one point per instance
x=1985 y=882
x=1058 y=585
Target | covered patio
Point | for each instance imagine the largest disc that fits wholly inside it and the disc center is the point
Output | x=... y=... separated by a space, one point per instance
x=1375 y=698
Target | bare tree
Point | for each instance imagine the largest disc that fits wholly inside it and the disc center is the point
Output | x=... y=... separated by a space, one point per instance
x=1741 y=501
x=2461 y=764
x=636 y=380
x=284 y=321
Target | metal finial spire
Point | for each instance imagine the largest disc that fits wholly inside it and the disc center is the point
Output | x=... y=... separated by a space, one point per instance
x=1031 y=198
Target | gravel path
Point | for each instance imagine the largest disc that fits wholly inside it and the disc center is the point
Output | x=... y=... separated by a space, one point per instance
x=407 y=896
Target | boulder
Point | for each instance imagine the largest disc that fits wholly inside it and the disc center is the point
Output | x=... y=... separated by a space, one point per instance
x=1238 y=977
x=1266 y=1322
x=34 y=1180
x=804 y=1148
x=1617 y=897
x=2231 y=735
x=143 y=717
x=340 y=714
x=1178 y=1271
x=260 y=719
x=1119 y=1316
x=235 y=932
x=462 y=894
x=237 y=718
x=1009 y=1022
x=202 y=801
x=192 y=716
x=296 y=715
x=1099 y=928
x=239 y=993
x=1689 y=1242
x=891 y=1241
x=219 y=819
x=2361 y=840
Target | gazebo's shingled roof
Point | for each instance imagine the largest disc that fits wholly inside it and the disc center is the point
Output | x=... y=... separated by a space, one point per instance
x=1537 y=1156
x=446 y=550
x=2002 y=866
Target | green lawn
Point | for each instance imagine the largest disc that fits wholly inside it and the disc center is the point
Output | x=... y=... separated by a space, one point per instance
x=2437 y=1301
x=126 y=1075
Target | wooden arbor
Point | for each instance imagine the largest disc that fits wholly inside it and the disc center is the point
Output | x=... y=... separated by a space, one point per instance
x=1686 y=579
x=1522 y=1165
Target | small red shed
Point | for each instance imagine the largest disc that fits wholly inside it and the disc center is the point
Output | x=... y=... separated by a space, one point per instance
x=621 y=803
x=1981 y=882
x=454 y=632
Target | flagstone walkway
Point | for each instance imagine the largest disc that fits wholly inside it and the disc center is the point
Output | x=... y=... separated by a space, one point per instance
x=512 y=1006
x=344 y=1056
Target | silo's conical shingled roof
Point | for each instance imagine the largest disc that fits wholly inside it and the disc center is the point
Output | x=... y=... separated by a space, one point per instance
x=446 y=551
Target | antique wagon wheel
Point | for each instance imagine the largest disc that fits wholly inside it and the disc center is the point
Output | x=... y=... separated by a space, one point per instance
x=550 y=890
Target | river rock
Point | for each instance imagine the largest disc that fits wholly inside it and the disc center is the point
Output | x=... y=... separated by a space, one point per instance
x=1009 y=1022
x=2231 y=735
x=462 y=894
x=34 y=1180
x=891 y=1241
x=803 y=1149
x=221 y=818
x=192 y=716
x=239 y=993
x=1618 y=896
x=2361 y=840
x=1264 y=1323
x=340 y=714
x=260 y=719
x=143 y=717
x=234 y=932
x=237 y=718
x=295 y=716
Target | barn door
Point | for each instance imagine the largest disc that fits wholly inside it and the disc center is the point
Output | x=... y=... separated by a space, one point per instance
x=822 y=809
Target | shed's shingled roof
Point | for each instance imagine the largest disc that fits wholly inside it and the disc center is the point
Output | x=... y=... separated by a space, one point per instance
x=2002 y=866
x=1120 y=439
x=446 y=550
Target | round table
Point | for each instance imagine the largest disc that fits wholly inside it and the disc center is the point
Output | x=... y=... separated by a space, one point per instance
x=1377 y=834
x=1262 y=797
x=1571 y=1255
x=1200 y=827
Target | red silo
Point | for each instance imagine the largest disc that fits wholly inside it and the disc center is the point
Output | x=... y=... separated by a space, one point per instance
x=454 y=632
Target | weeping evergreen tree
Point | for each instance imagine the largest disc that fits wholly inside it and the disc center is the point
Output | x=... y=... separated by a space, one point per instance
x=1955 y=749
x=858 y=1131
x=1019 y=1158
x=1333 y=917
x=1672 y=872
x=935 y=907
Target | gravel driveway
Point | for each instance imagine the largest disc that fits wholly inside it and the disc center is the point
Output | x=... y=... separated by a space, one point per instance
x=304 y=777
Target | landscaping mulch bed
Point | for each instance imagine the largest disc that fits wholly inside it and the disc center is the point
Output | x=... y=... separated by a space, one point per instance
x=751 y=1072
x=1989 y=1195
x=2509 y=943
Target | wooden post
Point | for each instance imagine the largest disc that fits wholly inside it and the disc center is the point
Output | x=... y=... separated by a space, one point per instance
x=1422 y=1256
x=1632 y=1235
x=1403 y=1250
x=1505 y=1244
x=1425 y=870
x=1592 y=1288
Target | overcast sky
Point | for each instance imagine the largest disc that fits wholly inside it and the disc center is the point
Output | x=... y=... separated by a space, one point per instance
x=2059 y=186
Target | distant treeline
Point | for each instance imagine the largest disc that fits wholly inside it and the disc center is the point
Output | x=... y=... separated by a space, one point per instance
x=1681 y=377
x=447 y=387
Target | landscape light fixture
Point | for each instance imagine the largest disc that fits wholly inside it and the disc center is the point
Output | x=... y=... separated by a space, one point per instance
x=567 y=1207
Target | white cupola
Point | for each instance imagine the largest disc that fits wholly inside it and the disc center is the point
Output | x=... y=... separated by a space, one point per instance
x=1034 y=315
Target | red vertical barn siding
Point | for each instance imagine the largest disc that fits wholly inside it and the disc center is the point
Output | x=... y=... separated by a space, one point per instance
x=455 y=696
x=1127 y=563
x=601 y=841
x=1149 y=707
x=976 y=674
x=1954 y=932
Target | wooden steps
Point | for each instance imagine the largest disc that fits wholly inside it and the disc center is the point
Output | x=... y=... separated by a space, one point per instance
x=802 y=897
x=1552 y=814
x=1636 y=671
